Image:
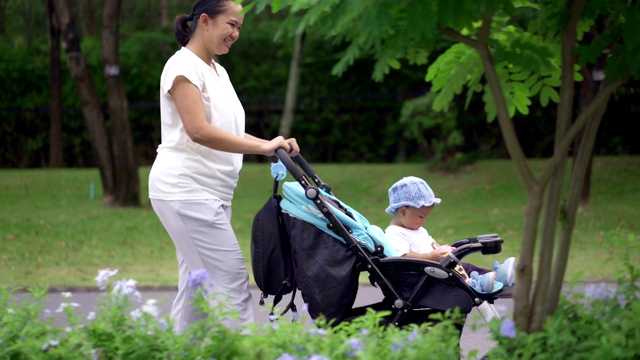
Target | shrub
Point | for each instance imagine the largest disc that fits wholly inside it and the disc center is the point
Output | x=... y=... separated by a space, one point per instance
x=122 y=327
x=599 y=323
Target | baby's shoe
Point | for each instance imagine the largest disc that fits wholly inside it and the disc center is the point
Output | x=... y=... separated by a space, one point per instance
x=506 y=271
x=485 y=283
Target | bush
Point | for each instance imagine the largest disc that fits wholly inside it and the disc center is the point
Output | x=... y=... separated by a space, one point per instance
x=599 y=323
x=114 y=331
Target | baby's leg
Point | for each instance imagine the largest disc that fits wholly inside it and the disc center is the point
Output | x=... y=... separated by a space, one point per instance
x=469 y=268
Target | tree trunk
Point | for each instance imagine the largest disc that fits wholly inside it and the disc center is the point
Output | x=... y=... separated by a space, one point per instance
x=554 y=194
x=56 y=158
x=91 y=107
x=582 y=166
x=3 y=18
x=164 y=13
x=588 y=90
x=87 y=12
x=286 y=123
x=126 y=181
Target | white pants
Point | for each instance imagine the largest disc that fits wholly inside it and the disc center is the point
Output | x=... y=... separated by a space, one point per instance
x=201 y=231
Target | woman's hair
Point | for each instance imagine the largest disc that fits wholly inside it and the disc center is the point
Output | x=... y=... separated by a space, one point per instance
x=181 y=26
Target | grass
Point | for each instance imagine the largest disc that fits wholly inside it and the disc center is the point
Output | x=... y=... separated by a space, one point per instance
x=53 y=234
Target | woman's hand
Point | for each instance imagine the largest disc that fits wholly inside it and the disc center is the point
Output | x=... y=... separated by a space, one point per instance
x=294 y=149
x=290 y=145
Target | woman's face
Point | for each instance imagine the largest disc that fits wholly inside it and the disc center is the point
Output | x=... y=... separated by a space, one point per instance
x=222 y=31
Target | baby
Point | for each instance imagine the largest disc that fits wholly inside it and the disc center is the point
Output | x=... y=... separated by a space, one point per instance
x=411 y=200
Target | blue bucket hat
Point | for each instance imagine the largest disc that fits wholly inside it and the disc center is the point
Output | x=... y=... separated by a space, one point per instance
x=410 y=191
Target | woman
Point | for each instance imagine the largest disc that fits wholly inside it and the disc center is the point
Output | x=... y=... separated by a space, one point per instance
x=194 y=175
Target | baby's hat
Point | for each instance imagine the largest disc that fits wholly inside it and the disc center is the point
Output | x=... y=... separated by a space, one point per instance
x=410 y=191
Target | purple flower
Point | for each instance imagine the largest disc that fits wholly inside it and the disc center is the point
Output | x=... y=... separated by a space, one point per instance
x=355 y=345
x=508 y=328
x=136 y=314
x=413 y=335
x=49 y=344
x=103 y=277
x=66 y=305
x=126 y=287
x=151 y=308
x=598 y=291
x=286 y=356
x=200 y=278
x=318 y=357
x=622 y=300
x=320 y=332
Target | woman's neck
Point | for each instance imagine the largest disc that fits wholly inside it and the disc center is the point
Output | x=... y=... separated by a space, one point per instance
x=202 y=53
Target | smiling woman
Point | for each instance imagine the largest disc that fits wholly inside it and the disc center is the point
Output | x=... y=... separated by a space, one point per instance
x=196 y=170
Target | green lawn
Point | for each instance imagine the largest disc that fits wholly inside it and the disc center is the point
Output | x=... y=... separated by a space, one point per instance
x=52 y=233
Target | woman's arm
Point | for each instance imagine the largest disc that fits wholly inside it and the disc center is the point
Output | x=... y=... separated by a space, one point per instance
x=254 y=138
x=293 y=148
x=189 y=104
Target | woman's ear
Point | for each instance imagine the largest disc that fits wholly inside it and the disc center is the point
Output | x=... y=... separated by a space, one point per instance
x=203 y=20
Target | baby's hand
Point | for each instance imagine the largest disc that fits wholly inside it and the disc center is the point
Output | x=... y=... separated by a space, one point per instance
x=445 y=248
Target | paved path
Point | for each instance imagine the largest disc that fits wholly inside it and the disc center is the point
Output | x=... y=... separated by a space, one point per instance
x=478 y=338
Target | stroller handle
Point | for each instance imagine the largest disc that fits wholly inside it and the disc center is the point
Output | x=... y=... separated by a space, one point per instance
x=289 y=164
x=298 y=162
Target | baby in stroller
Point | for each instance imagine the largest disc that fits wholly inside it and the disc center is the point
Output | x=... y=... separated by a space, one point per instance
x=411 y=200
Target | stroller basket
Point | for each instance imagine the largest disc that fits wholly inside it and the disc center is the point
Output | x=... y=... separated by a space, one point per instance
x=355 y=246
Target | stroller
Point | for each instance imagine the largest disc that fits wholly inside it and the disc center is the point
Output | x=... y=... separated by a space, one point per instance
x=331 y=244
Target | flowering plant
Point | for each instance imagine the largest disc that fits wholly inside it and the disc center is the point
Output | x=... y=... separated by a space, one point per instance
x=124 y=327
x=598 y=322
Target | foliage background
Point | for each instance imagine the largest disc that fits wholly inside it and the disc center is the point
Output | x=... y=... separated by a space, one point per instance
x=338 y=119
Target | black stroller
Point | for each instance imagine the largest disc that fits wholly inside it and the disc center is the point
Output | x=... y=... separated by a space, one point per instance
x=327 y=271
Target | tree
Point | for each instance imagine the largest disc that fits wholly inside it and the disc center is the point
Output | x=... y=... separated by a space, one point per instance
x=164 y=13
x=126 y=179
x=292 y=87
x=509 y=66
x=91 y=106
x=55 y=103
x=3 y=17
x=118 y=171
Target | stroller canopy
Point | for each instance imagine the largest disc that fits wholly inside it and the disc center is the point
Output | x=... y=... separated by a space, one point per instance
x=296 y=204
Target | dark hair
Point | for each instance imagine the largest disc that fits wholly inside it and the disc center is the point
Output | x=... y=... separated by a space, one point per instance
x=183 y=30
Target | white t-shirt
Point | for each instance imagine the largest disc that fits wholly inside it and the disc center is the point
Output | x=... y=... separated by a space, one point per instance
x=183 y=169
x=403 y=240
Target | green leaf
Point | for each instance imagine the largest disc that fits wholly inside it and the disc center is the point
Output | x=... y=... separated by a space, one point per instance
x=548 y=93
x=552 y=81
x=489 y=104
x=535 y=88
x=394 y=63
x=520 y=76
x=553 y=95
x=417 y=56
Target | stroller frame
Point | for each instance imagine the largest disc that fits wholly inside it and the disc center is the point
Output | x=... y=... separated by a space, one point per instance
x=434 y=286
